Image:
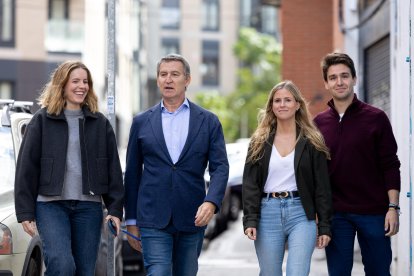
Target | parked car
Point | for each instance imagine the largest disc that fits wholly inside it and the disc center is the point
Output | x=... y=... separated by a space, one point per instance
x=236 y=154
x=232 y=201
x=20 y=254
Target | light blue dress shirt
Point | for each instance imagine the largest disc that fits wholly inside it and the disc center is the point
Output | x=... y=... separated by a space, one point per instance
x=175 y=128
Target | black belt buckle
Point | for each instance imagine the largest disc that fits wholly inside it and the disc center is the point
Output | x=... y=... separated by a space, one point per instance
x=280 y=195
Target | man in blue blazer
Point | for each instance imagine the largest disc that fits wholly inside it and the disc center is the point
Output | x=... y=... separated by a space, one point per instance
x=169 y=148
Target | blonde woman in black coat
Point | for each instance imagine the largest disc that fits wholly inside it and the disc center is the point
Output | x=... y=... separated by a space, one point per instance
x=286 y=190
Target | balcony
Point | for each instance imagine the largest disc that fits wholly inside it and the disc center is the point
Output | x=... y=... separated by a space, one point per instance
x=64 y=36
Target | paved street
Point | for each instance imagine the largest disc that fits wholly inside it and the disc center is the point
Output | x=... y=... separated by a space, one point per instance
x=232 y=254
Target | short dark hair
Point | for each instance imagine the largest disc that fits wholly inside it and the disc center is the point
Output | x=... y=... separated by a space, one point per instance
x=337 y=58
x=175 y=57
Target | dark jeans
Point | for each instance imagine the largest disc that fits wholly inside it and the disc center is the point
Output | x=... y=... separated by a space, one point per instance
x=70 y=231
x=375 y=246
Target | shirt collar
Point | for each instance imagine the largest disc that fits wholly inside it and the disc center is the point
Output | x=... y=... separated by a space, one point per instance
x=184 y=104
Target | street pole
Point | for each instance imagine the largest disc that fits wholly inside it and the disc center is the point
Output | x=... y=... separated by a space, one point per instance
x=111 y=110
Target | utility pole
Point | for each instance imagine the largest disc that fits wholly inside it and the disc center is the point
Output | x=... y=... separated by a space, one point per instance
x=111 y=109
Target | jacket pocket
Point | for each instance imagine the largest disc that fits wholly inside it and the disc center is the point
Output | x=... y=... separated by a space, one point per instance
x=103 y=170
x=46 y=169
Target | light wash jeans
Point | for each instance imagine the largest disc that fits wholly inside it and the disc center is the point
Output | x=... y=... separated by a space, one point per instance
x=170 y=252
x=281 y=221
x=70 y=231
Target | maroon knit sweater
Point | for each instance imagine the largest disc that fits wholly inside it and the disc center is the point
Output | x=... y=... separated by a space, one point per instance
x=364 y=163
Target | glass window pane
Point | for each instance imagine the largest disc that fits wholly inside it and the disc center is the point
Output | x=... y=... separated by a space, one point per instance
x=210 y=15
x=6 y=90
x=7 y=17
x=169 y=46
x=245 y=13
x=170 y=18
x=171 y=3
x=57 y=9
x=269 y=20
x=210 y=65
x=6 y=20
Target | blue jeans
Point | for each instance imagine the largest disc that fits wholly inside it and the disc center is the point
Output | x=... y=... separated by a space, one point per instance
x=70 y=231
x=375 y=246
x=171 y=252
x=281 y=221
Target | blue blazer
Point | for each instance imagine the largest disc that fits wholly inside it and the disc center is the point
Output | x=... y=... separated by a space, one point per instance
x=156 y=190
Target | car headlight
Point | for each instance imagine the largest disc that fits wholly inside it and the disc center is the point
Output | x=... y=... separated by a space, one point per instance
x=6 y=241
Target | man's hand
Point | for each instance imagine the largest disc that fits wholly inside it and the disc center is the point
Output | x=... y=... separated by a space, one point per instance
x=204 y=214
x=29 y=227
x=391 y=224
x=134 y=230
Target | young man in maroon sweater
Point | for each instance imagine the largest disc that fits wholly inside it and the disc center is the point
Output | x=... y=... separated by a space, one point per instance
x=364 y=173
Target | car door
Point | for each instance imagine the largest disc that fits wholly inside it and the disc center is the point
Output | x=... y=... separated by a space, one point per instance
x=19 y=123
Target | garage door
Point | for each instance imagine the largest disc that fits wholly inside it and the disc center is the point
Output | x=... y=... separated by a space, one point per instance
x=377 y=74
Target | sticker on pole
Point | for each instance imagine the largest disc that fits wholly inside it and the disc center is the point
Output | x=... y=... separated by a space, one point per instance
x=111 y=104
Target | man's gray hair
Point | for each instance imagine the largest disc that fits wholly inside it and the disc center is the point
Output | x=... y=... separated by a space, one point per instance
x=174 y=57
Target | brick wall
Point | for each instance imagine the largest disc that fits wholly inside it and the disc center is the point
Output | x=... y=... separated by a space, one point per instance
x=308 y=30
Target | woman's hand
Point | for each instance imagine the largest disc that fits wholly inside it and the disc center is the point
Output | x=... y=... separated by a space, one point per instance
x=323 y=241
x=251 y=233
x=116 y=221
x=29 y=227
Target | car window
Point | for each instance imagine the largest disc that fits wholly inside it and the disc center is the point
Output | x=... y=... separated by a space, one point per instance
x=7 y=162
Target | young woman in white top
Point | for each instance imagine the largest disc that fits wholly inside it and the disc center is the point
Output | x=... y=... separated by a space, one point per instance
x=286 y=190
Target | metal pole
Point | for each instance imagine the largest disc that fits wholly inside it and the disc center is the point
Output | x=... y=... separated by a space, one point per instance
x=111 y=109
x=111 y=63
x=410 y=153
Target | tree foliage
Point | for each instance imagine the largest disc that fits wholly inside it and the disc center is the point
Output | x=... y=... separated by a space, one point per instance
x=259 y=57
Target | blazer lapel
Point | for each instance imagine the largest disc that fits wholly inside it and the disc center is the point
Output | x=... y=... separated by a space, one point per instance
x=267 y=154
x=156 y=124
x=196 y=120
x=300 y=146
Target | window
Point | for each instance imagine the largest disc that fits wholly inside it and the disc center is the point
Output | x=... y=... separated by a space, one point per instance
x=58 y=9
x=210 y=65
x=7 y=24
x=269 y=20
x=6 y=90
x=211 y=15
x=63 y=34
x=170 y=14
x=245 y=13
x=169 y=46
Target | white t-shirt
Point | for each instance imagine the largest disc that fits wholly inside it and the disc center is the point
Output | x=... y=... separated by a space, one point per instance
x=281 y=175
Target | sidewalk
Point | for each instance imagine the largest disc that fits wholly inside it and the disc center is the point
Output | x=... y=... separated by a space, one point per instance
x=232 y=254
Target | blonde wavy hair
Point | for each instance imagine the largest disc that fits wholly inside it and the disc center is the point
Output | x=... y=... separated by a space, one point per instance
x=52 y=97
x=268 y=124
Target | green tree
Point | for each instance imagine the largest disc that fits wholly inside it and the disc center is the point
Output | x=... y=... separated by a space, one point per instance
x=259 y=57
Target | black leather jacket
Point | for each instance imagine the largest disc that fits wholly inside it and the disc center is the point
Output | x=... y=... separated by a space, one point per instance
x=42 y=160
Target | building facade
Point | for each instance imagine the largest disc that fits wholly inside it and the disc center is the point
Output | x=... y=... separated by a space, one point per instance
x=35 y=36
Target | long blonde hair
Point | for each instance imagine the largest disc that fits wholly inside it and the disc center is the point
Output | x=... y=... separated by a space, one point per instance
x=268 y=124
x=52 y=95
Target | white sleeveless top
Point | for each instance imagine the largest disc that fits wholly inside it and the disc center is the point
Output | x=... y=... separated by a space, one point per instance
x=281 y=176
